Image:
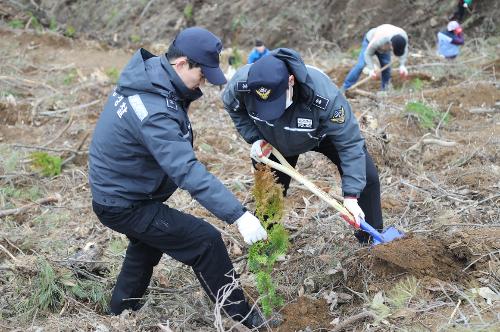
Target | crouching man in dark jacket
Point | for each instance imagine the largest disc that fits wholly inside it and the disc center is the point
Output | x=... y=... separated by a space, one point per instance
x=142 y=151
x=296 y=108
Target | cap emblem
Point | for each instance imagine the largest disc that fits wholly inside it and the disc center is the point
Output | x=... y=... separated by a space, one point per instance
x=263 y=93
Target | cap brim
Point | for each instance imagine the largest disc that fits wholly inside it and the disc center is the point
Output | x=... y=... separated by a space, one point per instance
x=214 y=75
x=270 y=110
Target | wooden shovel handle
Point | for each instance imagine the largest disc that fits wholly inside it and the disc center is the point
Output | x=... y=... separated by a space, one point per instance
x=286 y=168
x=366 y=79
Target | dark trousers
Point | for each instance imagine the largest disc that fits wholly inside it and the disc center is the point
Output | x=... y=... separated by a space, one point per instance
x=153 y=228
x=369 y=200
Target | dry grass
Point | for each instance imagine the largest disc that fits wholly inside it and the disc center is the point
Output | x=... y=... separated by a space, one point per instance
x=433 y=189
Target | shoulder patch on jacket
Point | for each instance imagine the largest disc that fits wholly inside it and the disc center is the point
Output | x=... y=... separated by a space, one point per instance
x=138 y=107
x=242 y=86
x=338 y=115
x=320 y=102
x=172 y=104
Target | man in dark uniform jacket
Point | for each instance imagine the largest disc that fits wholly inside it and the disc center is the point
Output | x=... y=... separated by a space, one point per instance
x=142 y=151
x=297 y=108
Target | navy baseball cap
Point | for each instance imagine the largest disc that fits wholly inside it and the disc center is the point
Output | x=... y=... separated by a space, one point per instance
x=202 y=47
x=268 y=82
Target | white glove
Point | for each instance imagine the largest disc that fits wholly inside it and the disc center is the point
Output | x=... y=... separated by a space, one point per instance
x=403 y=72
x=250 y=228
x=351 y=204
x=466 y=5
x=373 y=74
x=260 y=149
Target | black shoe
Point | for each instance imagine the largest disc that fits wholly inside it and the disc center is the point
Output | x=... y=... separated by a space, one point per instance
x=131 y=306
x=254 y=320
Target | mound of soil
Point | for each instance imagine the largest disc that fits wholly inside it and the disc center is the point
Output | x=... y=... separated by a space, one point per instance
x=453 y=257
x=422 y=257
x=305 y=312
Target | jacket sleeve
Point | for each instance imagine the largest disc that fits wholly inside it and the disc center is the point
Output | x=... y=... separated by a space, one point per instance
x=339 y=125
x=238 y=113
x=251 y=57
x=458 y=39
x=369 y=52
x=163 y=137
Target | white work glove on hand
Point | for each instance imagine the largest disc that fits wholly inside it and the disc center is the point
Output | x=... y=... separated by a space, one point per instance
x=250 y=228
x=373 y=74
x=351 y=204
x=260 y=149
x=466 y=5
x=403 y=72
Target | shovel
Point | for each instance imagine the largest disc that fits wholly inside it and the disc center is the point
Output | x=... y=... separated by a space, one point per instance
x=378 y=237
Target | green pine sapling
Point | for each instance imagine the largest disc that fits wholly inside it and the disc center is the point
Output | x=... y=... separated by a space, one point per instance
x=262 y=255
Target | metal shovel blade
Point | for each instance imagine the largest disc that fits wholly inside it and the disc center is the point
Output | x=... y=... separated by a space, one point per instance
x=388 y=235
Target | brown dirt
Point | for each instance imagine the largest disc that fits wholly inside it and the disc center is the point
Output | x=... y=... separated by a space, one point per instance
x=421 y=257
x=303 y=313
x=318 y=24
x=458 y=257
x=451 y=257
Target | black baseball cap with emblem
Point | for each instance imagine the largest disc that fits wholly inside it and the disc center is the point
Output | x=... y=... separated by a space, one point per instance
x=268 y=81
x=202 y=47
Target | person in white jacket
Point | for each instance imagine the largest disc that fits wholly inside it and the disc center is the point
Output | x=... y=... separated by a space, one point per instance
x=380 y=41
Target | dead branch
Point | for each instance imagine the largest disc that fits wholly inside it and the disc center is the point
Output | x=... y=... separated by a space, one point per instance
x=438 y=142
x=228 y=235
x=425 y=140
x=70 y=122
x=144 y=11
x=8 y=253
x=73 y=108
x=441 y=64
x=34 y=147
x=75 y=152
x=484 y=110
x=24 y=208
x=353 y=319
x=363 y=93
x=442 y=119
x=164 y=328
x=28 y=82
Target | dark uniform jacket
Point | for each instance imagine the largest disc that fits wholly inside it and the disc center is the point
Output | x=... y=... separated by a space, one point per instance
x=319 y=112
x=142 y=148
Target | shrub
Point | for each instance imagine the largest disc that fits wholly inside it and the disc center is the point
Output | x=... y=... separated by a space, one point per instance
x=53 y=24
x=70 y=77
x=237 y=58
x=53 y=286
x=135 y=38
x=417 y=84
x=16 y=24
x=47 y=164
x=428 y=117
x=188 y=12
x=113 y=74
x=70 y=31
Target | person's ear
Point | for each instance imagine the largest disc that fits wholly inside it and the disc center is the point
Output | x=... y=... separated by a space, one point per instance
x=180 y=62
x=291 y=80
